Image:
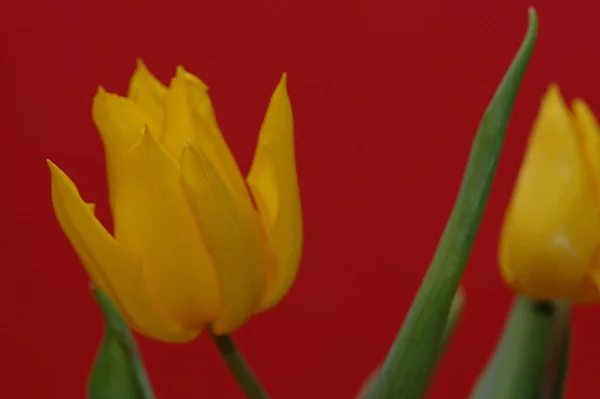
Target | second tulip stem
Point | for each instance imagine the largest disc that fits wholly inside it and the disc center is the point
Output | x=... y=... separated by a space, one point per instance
x=558 y=354
x=239 y=368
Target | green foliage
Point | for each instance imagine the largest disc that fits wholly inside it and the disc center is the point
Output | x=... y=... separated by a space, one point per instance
x=412 y=358
x=118 y=372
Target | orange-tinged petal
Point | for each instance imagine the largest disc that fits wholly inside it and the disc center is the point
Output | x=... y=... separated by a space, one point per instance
x=153 y=220
x=551 y=230
x=120 y=122
x=588 y=290
x=189 y=116
x=148 y=92
x=233 y=235
x=274 y=184
x=115 y=270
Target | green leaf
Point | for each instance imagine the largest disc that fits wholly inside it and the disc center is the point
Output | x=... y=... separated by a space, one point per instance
x=407 y=369
x=367 y=391
x=532 y=356
x=112 y=375
x=118 y=372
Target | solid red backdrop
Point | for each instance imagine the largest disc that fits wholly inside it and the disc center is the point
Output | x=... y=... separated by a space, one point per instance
x=387 y=96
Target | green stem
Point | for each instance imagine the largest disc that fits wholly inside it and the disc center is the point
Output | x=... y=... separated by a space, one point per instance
x=558 y=354
x=239 y=368
x=530 y=359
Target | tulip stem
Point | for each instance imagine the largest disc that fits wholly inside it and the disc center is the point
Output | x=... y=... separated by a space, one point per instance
x=558 y=354
x=530 y=360
x=239 y=368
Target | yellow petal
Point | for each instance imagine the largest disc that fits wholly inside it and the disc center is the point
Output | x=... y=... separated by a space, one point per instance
x=187 y=108
x=111 y=267
x=589 y=133
x=233 y=235
x=153 y=220
x=551 y=230
x=120 y=122
x=274 y=185
x=148 y=92
x=189 y=116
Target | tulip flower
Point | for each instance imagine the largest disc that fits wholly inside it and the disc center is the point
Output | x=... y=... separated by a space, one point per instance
x=550 y=240
x=195 y=244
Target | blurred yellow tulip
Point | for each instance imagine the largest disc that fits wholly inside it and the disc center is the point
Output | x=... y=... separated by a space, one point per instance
x=190 y=248
x=550 y=241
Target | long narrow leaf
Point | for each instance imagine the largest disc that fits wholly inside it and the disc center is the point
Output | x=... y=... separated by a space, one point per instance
x=367 y=391
x=407 y=369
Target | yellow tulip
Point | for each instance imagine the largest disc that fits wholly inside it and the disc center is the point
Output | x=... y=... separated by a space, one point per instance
x=550 y=241
x=190 y=248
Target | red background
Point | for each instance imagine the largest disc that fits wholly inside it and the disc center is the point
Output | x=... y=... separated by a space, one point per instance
x=387 y=96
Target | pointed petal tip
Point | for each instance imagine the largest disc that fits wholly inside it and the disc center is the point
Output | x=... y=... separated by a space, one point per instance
x=579 y=105
x=147 y=144
x=191 y=153
x=553 y=89
x=185 y=154
x=101 y=91
x=140 y=64
x=553 y=97
x=103 y=95
x=54 y=169
x=282 y=85
x=100 y=98
x=190 y=78
x=180 y=70
x=189 y=146
x=147 y=137
x=59 y=179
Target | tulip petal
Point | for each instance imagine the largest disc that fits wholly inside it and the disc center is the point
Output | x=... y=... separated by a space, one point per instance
x=551 y=228
x=589 y=133
x=148 y=92
x=274 y=185
x=120 y=122
x=153 y=220
x=189 y=116
x=589 y=290
x=112 y=268
x=233 y=235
